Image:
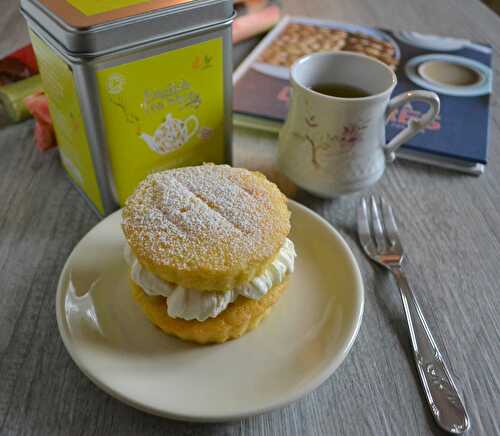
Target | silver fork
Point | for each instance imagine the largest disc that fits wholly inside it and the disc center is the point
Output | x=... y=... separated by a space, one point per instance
x=379 y=238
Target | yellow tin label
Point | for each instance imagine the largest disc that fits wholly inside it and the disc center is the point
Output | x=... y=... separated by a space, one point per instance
x=59 y=85
x=163 y=111
x=94 y=7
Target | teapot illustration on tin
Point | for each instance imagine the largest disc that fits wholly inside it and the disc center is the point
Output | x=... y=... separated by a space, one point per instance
x=171 y=134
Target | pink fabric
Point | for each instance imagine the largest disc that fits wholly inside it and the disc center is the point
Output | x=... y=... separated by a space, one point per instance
x=38 y=105
x=255 y=23
x=18 y=65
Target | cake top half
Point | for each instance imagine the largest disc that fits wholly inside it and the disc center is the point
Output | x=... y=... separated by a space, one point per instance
x=209 y=227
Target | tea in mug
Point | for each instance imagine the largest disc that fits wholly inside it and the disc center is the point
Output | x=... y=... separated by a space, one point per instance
x=340 y=90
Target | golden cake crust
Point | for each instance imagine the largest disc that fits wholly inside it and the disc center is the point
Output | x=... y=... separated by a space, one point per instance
x=239 y=318
x=210 y=227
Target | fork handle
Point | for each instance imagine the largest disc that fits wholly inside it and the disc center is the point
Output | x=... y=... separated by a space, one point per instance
x=440 y=390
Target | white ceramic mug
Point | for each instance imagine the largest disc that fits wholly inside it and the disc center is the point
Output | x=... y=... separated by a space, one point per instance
x=332 y=146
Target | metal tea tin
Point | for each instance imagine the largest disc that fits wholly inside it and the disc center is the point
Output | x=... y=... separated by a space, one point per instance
x=134 y=86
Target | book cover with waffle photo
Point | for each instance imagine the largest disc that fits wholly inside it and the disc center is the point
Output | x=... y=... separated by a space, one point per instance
x=458 y=70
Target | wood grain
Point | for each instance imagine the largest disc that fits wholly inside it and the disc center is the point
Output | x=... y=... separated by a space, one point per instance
x=451 y=229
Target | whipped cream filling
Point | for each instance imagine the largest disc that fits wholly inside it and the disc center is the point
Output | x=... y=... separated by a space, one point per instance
x=192 y=304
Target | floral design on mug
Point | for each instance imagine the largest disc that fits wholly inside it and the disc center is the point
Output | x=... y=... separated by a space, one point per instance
x=315 y=147
x=311 y=121
x=310 y=117
x=352 y=133
x=344 y=141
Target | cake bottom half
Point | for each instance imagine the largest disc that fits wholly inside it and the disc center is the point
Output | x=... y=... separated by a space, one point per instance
x=239 y=317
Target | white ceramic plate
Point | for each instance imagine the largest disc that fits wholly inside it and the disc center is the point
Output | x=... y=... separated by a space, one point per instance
x=431 y=42
x=439 y=43
x=481 y=88
x=306 y=337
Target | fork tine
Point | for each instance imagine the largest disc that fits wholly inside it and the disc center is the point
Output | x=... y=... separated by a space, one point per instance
x=378 y=230
x=390 y=224
x=364 y=227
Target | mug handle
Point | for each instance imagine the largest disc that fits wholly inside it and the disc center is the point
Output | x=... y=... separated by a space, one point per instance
x=414 y=126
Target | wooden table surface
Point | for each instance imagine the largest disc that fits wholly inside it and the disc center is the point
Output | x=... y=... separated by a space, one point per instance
x=450 y=225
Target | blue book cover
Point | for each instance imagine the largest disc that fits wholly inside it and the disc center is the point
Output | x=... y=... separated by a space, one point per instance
x=459 y=136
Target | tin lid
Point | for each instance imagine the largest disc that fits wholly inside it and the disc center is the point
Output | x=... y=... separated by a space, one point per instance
x=91 y=27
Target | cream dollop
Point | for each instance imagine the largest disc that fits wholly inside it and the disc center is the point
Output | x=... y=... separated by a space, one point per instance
x=274 y=274
x=192 y=304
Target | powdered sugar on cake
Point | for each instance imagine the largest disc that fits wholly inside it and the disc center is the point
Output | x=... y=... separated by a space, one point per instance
x=213 y=214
